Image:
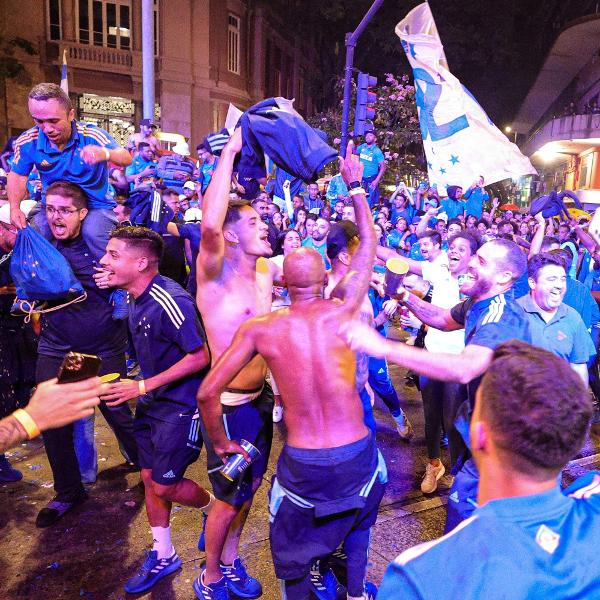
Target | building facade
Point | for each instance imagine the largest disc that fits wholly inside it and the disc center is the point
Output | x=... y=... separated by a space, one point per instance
x=559 y=120
x=208 y=54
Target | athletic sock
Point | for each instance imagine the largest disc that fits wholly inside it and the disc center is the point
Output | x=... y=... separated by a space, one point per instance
x=162 y=542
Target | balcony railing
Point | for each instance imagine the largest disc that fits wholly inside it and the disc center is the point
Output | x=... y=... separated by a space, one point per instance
x=575 y=127
x=99 y=58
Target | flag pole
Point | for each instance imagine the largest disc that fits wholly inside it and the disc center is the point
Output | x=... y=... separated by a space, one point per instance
x=351 y=39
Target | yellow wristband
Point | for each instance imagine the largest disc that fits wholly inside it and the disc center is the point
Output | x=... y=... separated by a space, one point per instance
x=142 y=387
x=106 y=154
x=356 y=191
x=27 y=423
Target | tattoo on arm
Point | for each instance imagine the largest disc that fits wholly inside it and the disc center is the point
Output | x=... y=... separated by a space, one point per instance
x=11 y=433
x=427 y=312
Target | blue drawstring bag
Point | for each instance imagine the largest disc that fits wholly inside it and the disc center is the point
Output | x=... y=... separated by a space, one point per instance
x=39 y=270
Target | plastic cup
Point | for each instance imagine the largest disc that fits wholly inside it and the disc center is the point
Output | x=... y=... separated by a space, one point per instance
x=395 y=270
x=110 y=377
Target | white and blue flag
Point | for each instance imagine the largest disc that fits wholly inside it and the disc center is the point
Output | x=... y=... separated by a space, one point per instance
x=64 y=80
x=460 y=141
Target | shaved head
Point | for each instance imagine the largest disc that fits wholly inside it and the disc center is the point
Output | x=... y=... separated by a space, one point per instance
x=304 y=268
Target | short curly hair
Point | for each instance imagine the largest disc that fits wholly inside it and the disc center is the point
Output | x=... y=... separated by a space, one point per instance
x=537 y=408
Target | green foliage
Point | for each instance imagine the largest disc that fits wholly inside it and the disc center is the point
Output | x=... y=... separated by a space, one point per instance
x=10 y=66
x=396 y=122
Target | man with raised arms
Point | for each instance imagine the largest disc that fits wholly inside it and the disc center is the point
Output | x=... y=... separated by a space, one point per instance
x=234 y=285
x=330 y=475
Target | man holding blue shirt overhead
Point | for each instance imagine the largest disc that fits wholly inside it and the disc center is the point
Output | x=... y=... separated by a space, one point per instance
x=64 y=149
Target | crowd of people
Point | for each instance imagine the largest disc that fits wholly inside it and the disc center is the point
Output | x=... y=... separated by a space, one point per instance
x=200 y=284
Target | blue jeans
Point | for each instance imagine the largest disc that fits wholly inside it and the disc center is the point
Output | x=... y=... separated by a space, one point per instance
x=85 y=448
x=373 y=195
x=96 y=228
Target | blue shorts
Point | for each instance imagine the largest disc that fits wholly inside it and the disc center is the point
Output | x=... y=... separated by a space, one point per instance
x=252 y=422
x=321 y=498
x=167 y=448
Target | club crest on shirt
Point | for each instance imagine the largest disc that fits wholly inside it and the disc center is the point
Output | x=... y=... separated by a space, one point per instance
x=547 y=539
x=560 y=336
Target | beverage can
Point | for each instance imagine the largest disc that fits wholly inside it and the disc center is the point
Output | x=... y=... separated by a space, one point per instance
x=237 y=464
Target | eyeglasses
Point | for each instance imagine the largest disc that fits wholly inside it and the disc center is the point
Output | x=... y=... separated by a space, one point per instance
x=63 y=212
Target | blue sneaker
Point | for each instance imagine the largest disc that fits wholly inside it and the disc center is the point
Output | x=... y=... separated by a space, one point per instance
x=239 y=582
x=152 y=571
x=213 y=591
x=324 y=586
x=8 y=474
x=202 y=538
x=370 y=590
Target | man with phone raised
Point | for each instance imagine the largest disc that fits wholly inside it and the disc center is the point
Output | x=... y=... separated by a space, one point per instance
x=85 y=327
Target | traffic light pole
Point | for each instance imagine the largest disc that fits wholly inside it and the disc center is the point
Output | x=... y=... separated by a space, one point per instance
x=351 y=39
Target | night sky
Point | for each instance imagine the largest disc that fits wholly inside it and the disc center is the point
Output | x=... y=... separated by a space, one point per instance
x=495 y=47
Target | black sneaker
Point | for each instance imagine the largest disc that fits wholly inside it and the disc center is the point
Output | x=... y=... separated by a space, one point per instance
x=8 y=474
x=55 y=511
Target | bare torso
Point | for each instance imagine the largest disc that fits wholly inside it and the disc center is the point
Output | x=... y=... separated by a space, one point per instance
x=315 y=372
x=225 y=303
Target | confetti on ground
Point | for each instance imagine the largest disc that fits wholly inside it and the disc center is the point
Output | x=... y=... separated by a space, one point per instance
x=130 y=503
x=54 y=565
x=34 y=467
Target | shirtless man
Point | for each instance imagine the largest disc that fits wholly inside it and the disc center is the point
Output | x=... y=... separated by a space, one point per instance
x=330 y=475
x=234 y=285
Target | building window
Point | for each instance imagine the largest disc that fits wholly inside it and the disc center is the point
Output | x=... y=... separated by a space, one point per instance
x=105 y=23
x=54 y=19
x=233 y=45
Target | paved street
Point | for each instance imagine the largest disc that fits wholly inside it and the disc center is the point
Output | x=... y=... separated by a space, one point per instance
x=93 y=551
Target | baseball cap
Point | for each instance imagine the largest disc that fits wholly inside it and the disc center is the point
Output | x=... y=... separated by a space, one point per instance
x=189 y=185
x=338 y=237
x=148 y=122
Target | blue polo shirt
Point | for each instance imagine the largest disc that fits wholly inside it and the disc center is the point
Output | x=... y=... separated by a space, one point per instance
x=86 y=326
x=564 y=335
x=371 y=158
x=33 y=148
x=164 y=327
x=526 y=547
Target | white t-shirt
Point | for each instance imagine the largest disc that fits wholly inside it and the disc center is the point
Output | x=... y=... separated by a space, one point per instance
x=445 y=294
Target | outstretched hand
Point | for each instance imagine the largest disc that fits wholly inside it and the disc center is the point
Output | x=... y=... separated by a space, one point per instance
x=351 y=167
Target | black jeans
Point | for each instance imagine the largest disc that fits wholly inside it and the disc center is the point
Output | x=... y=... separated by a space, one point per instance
x=441 y=400
x=59 y=442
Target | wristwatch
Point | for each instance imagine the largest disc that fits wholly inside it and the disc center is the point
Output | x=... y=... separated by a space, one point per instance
x=354 y=184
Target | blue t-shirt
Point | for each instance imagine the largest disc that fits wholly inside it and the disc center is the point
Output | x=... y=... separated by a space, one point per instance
x=206 y=173
x=33 y=148
x=371 y=157
x=86 y=326
x=565 y=335
x=525 y=547
x=475 y=199
x=453 y=208
x=322 y=250
x=138 y=164
x=164 y=327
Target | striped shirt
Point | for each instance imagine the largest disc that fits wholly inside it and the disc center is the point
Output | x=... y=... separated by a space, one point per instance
x=33 y=148
x=164 y=327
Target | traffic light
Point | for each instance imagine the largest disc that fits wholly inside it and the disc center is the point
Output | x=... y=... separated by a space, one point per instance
x=365 y=101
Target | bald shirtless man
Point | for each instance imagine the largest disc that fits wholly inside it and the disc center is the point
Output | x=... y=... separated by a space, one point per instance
x=234 y=284
x=330 y=475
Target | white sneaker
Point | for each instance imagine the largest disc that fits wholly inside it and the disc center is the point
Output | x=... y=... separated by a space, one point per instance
x=432 y=475
x=405 y=429
x=277 y=413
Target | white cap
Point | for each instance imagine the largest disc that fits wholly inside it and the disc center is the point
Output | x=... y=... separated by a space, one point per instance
x=182 y=197
x=189 y=185
x=181 y=148
x=192 y=215
x=26 y=206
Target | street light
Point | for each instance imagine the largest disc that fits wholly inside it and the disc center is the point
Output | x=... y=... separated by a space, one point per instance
x=507 y=129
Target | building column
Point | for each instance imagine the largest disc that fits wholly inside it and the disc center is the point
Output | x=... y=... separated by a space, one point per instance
x=68 y=9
